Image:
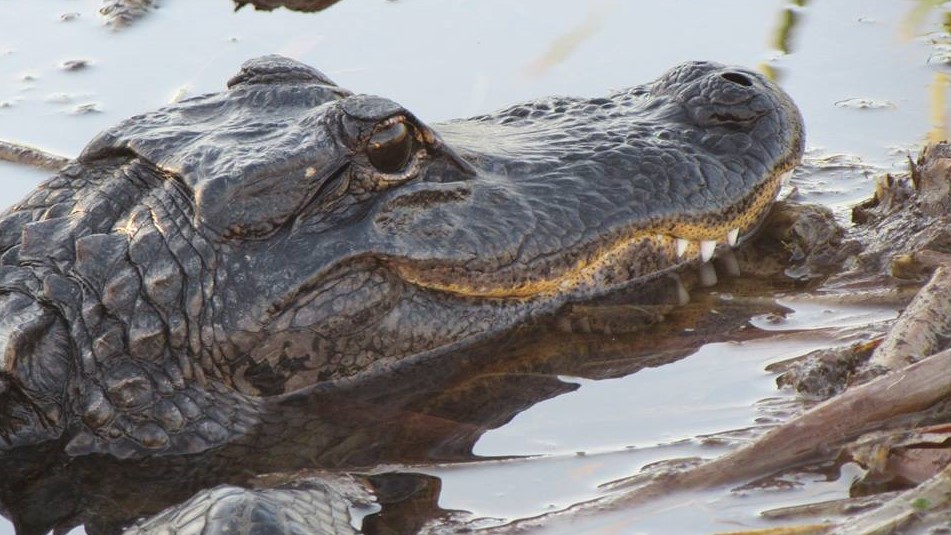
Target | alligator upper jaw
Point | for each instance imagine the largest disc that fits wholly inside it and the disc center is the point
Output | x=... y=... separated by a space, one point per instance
x=569 y=200
x=639 y=254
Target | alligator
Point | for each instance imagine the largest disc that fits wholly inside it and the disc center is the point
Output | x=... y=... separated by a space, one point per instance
x=259 y=280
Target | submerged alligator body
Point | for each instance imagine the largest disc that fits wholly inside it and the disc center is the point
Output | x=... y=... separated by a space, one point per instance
x=248 y=271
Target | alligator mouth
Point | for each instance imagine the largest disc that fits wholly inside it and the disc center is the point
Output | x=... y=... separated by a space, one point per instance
x=637 y=254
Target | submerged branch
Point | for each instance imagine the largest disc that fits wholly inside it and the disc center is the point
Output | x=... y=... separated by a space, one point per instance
x=33 y=157
x=821 y=430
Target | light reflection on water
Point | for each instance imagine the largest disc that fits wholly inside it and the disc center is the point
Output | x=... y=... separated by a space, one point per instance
x=451 y=58
x=639 y=419
x=447 y=59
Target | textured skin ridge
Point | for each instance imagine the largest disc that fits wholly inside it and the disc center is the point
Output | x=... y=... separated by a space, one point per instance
x=130 y=276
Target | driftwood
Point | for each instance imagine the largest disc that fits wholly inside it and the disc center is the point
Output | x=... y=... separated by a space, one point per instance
x=921 y=328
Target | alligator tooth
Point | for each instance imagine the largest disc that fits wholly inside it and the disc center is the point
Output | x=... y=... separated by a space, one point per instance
x=728 y=263
x=785 y=177
x=681 y=246
x=733 y=236
x=706 y=249
x=584 y=326
x=683 y=296
x=707 y=274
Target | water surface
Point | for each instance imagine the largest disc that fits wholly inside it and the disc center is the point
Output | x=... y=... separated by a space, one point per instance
x=864 y=76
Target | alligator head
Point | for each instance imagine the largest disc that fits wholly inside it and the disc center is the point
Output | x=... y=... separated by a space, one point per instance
x=287 y=235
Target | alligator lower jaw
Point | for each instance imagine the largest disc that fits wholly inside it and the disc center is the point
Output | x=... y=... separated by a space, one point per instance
x=642 y=254
x=639 y=257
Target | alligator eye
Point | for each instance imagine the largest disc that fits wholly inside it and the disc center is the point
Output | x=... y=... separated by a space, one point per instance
x=391 y=148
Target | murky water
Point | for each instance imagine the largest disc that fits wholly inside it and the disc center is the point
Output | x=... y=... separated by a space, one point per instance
x=865 y=74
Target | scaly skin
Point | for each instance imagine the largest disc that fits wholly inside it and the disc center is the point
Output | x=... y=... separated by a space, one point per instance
x=198 y=266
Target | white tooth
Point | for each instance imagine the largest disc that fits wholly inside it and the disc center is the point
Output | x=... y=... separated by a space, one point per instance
x=785 y=177
x=681 y=246
x=733 y=236
x=706 y=249
x=707 y=275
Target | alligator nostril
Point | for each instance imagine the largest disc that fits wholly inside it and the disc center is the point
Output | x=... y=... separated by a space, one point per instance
x=737 y=78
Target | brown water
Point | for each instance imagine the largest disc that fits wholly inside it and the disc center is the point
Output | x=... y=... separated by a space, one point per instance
x=865 y=74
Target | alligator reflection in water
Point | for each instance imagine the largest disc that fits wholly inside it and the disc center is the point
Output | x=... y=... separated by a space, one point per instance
x=424 y=413
x=295 y=5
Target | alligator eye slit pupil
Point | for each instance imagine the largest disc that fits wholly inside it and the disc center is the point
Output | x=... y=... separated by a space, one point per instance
x=737 y=78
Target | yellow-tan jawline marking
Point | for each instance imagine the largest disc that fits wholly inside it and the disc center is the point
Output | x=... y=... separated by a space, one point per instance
x=664 y=239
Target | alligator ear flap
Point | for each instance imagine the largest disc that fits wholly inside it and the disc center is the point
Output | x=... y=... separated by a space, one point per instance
x=277 y=69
